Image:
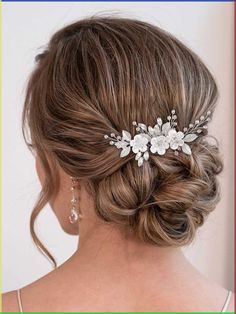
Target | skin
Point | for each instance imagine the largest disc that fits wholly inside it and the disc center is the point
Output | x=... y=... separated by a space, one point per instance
x=113 y=271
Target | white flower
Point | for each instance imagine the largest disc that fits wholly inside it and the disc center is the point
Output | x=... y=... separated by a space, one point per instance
x=175 y=139
x=159 y=144
x=139 y=143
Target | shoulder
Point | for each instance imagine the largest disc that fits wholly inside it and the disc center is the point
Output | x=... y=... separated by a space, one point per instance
x=215 y=293
x=222 y=294
x=10 y=302
x=31 y=296
x=231 y=304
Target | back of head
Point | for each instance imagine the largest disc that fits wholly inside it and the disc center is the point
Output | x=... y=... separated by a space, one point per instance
x=96 y=77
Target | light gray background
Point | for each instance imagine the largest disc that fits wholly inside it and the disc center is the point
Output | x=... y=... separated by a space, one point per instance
x=207 y=28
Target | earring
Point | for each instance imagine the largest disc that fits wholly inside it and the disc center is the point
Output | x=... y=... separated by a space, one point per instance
x=74 y=212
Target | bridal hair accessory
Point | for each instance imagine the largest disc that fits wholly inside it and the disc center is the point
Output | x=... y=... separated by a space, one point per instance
x=160 y=138
x=74 y=212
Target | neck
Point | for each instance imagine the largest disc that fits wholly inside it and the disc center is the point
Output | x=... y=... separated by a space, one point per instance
x=106 y=244
x=102 y=243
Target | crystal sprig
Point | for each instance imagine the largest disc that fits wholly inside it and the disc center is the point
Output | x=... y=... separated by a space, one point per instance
x=198 y=125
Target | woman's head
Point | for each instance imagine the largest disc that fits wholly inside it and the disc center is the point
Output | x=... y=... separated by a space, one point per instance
x=96 y=77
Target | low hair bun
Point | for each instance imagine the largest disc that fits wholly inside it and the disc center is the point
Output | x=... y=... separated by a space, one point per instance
x=164 y=202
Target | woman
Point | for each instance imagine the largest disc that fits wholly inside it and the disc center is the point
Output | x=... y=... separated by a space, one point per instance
x=117 y=111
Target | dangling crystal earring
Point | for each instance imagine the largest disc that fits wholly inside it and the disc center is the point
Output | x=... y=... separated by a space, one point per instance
x=74 y=212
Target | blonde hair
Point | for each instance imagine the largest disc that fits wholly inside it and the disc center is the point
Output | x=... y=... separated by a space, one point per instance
x=96 y=77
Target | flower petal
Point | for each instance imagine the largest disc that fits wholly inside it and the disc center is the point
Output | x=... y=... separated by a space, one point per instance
x=125 y=151
x=126 y=135
x=132 y=142
x=174 y=145
x=180 y=135
x=181 y=142
x=135 y=149
x=146 y=136
x=153 y=140
x=161 y=150
x=166 y=145
x=153 y=149
x=143 y=148
x=190 y=137
x=138 y=137
x=172 y=132
x=186 y=149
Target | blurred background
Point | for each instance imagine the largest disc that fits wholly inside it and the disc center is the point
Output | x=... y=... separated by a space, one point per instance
x=207 y=28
